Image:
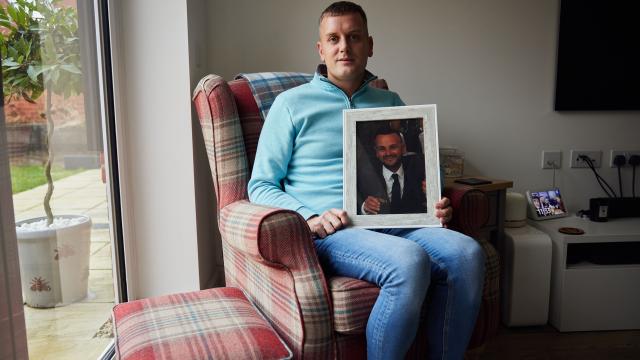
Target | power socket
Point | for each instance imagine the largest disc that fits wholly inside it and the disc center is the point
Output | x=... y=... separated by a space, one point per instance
x=551 y=159
x=627 y=154
x=594 y=155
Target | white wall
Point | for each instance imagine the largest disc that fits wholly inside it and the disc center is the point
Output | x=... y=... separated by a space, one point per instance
x=153 y=109
x=488 y=65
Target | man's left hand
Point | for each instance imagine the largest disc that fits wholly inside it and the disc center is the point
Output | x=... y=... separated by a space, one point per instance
x=444 y=211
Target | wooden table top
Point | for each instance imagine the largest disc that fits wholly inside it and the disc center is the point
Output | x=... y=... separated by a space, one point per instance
x=496 y=184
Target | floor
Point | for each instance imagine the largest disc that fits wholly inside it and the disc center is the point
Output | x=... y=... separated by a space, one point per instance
x=73 y=331
x=546 y=343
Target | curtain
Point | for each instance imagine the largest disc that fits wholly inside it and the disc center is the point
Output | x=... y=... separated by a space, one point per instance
x=13 y=336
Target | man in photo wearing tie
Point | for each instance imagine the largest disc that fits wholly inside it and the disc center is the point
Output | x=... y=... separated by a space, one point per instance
x=398 y=185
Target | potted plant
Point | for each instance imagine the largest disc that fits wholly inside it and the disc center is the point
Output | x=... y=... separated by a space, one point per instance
x=40 y=51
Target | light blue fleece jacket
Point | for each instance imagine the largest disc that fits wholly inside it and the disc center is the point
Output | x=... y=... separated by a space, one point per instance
x=301 y=145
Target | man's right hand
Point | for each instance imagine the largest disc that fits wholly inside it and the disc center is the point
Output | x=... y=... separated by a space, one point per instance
x=371 y=205
x=328 y=222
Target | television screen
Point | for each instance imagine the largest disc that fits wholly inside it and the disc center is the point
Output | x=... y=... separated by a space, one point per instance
x=598 y=63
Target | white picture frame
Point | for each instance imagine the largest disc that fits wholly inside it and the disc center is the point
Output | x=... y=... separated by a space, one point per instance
x=363 y=166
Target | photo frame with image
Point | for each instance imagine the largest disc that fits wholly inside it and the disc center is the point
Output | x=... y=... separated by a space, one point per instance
x=380 y=143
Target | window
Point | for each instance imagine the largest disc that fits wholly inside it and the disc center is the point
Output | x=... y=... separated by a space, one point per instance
x=56 y=115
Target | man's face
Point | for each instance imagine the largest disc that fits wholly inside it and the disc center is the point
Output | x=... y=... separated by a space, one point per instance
x=389 y=150
x=345 y=46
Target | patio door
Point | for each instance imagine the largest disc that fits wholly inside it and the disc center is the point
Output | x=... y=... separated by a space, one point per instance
x=59 y=197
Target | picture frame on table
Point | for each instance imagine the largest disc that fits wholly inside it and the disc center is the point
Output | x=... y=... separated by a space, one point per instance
x=379 y=142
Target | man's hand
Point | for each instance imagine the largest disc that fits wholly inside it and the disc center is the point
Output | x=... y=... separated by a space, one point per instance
x=328 y=223
x=371 y=205
x=444 y=211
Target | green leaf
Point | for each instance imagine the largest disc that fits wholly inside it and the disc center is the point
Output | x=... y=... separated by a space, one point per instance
x=27 y=52
x=12 y=51
x=32 y=72
x=7 y=24
x=9 y=62
x=11 y=10
x=35 y=94
x=71 y=68
x=21 y=18
x=44 y=68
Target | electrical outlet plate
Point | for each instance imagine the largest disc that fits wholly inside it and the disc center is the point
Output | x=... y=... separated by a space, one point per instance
x=627 y=154
x=551 y=158
x=594 y=155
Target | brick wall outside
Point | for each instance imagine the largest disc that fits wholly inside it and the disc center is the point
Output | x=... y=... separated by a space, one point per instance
x=24 y=112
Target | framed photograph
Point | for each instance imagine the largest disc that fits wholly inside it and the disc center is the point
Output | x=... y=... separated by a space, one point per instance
x=391 y=166
x=545 y=204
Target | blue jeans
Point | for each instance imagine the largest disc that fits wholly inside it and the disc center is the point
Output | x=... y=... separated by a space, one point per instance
x=404 y=263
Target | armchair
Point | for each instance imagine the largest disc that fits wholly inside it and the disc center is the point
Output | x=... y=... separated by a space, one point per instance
x=269 y=253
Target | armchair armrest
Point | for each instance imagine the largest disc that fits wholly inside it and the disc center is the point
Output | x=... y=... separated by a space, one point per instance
x=269 y=253
x=470 y=209
x=273 y=235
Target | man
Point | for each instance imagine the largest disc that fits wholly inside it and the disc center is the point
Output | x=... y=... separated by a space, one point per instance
x=301 y=147
x=398 y=183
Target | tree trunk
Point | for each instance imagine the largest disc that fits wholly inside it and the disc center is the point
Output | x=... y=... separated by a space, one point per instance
x=47 y=168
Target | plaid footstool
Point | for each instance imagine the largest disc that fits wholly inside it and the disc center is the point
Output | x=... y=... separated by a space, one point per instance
x=216 y=323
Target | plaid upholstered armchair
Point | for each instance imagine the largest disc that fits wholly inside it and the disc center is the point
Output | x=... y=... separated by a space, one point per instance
x=268 y=252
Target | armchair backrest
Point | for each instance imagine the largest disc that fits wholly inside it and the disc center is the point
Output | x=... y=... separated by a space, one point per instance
x=231 y=123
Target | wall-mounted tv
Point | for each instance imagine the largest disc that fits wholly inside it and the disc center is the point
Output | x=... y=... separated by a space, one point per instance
x=598 y=64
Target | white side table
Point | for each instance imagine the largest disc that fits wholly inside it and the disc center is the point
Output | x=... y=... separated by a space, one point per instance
x=595 y=277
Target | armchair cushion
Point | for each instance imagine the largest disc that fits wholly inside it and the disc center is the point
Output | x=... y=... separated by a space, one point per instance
x=353 y=300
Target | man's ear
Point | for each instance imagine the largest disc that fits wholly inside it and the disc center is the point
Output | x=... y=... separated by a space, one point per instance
x=370 y=46
x=320 y=52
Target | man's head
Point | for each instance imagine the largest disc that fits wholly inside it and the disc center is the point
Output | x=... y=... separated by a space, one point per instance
x=344 y=44
x=389 y=148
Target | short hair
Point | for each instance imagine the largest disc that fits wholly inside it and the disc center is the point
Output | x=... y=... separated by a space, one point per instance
x=386 y=130
x=342 y=8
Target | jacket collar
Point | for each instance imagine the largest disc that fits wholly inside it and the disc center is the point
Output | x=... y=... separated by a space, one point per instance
x=321 y=78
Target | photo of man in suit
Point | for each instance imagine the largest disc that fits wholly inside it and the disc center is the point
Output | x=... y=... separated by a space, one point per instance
x=395 y=182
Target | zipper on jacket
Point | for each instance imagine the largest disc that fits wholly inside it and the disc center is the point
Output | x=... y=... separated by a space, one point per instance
x=350 y=99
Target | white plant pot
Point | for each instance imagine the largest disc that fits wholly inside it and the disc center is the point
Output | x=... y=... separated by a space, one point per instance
x=54 y=263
